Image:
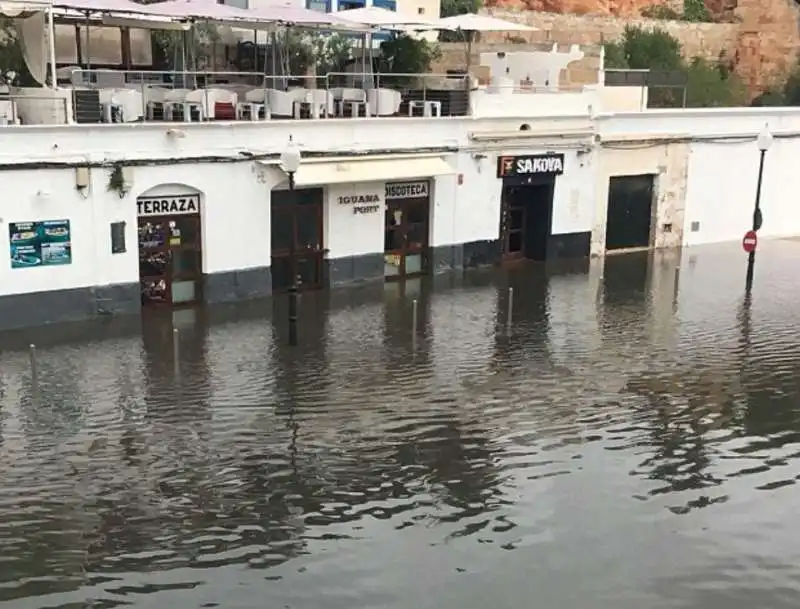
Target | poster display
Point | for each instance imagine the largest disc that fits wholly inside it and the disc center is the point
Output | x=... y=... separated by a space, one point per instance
x=46 y=243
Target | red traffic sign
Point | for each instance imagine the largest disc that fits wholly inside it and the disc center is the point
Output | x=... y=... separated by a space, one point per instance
x=750 y=241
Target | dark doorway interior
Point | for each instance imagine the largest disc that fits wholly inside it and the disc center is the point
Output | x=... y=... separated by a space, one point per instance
x=170 y=260
x=527 y=219
x=630 y=211
x=297 y=217
x=406 y=237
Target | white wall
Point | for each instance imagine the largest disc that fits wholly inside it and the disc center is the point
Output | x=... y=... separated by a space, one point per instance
x=722 y=185
x=347 y=233
x=235 y=208
x=667 y=161
x=573 y=199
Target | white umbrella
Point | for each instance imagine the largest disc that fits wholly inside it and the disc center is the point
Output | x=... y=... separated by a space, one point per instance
x=469 y=23
x=385 y=19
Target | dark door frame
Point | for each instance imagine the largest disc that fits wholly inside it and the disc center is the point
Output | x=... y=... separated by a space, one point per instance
x=506 y=207
x=296 y=208
x=169 y=249
x=651 y=211
x=402 y=231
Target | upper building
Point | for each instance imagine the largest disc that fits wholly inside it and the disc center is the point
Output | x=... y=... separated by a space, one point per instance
x=428 y=9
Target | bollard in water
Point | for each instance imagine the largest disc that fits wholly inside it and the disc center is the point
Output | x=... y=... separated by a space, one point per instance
x=34 y=371
x=414 y=312
x=510 y=305
x=176 y=349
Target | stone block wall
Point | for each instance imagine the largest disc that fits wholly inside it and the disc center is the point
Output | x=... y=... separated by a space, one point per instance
x=759 y=38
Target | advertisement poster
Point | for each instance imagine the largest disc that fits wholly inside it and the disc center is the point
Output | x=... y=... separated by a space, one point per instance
x=44 y=243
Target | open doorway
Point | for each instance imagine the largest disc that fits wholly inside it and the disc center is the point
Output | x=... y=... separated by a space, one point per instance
x=170 y=249
x=526 y=220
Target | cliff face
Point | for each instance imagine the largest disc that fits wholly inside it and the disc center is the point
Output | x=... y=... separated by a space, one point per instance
x=621 y=8
x=763 y=49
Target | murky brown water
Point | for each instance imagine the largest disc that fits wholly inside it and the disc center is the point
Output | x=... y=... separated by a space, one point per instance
x=633 y=443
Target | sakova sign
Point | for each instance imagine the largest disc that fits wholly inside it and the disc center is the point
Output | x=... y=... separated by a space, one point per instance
x=530 y=165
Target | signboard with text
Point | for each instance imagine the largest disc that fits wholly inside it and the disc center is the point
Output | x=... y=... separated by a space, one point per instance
x=174 y=205
x=46 y=243
x=530 y=165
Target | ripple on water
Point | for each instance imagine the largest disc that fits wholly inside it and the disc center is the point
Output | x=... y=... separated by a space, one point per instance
x=643 y=439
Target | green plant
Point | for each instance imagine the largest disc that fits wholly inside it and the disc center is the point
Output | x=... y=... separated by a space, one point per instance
x=116 y=181
x=659 y=11
x=406 y=55
x=710 y=85
x=707 y=83
x=330 y=52
x=459 y=7
x=642 y=49
x=695 y=10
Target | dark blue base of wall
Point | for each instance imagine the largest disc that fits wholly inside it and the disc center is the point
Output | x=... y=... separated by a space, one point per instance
x=58 y=306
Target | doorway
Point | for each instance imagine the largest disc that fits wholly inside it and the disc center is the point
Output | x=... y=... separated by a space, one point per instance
x=170 y=257
x=297 y=220
x=527 y=212
x=406 y=237
x=630 y=211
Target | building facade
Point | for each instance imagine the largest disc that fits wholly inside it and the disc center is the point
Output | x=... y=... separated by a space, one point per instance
x=103 y=219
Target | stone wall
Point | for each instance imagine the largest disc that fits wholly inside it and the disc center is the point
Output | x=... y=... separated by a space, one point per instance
x=708 y=40
x=760 y=40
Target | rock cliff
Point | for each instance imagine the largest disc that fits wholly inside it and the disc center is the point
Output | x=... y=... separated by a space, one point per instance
x=759 y=38
x=621 y=8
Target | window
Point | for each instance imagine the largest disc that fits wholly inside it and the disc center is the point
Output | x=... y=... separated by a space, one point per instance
x=420 y=10
x=118 y=238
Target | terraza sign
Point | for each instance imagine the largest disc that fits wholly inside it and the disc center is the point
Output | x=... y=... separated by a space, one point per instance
x=168 y=206
x=530 y=164
x=362 y=204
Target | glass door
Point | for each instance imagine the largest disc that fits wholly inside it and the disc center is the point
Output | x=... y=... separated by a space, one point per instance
x=405 y=237
x=170 y=260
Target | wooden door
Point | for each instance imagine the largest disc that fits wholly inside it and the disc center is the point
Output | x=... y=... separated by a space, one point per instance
x=514 y=221
x=297 y=222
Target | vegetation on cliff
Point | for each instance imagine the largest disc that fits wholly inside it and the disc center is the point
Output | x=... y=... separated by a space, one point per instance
x=707 y=83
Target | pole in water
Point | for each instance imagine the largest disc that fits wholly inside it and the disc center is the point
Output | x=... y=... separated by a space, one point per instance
x=414 y=312
x=34 y=371
x=510 y=305
x=176 y=348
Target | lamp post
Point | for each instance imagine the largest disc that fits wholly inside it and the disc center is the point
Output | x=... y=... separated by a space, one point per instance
x=290 y=162
x=763 y=141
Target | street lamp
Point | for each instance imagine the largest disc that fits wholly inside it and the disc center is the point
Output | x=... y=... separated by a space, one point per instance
x=763 y=141
x=290 y=162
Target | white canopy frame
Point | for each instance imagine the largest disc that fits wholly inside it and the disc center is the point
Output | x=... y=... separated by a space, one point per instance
x=15 y=8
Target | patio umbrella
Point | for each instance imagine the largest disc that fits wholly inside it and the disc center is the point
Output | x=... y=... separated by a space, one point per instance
x=469 y=23
x=385 y=19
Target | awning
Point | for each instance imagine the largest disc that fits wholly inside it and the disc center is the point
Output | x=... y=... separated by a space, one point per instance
x=320 y=172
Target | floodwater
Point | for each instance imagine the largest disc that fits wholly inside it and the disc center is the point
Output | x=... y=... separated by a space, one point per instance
x=631 y=440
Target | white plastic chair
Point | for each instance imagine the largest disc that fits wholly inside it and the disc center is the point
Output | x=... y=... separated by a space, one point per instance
x=281 y=103
x=352 y=99
x=383 y=102
x=174 y=104
x=254 y=105
x=154 y=98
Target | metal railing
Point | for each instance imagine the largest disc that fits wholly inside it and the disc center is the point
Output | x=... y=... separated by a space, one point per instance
x=22 y=109
x=130 y=96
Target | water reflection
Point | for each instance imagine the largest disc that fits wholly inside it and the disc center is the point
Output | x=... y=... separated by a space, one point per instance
x=636 y=423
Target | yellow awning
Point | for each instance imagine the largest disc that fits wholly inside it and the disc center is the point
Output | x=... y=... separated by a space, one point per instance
x=320 y=172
